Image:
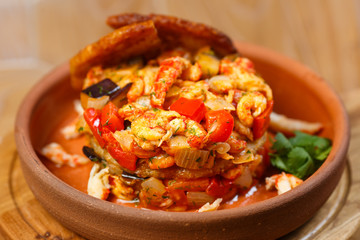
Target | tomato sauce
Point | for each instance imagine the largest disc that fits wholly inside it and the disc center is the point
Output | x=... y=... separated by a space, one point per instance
x=77 y=177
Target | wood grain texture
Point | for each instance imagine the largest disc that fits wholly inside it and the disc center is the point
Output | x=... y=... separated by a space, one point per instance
x=37 y=35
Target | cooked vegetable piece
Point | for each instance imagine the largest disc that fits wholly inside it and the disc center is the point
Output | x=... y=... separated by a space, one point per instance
x=105 y=88
x=111 y=119
x=131 y=176
x=192 y=108
x=90 y=153
x=219 y=186
x=93 y=119
x=301 y=155
x=193 y=158
x=153 y=186
x=89 y=102
x=198 y=199
x=261 y=122
x=219 y=125
x=125 y=159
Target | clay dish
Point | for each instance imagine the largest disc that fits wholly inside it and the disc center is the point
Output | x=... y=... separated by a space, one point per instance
x=298 y=93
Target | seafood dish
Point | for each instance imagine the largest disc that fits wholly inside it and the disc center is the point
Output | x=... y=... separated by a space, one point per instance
x=174 y=118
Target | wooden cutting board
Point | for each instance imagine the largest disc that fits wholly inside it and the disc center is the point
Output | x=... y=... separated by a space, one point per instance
x=22 y=216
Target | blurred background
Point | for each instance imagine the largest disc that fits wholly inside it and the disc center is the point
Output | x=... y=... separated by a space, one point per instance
x=323 y=34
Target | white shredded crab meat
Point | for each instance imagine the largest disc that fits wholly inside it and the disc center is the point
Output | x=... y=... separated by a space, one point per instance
x=70 y=131
x=56 y=153
x=282 y=182
x=78 y=108
x=211 y=207
x=98 y=184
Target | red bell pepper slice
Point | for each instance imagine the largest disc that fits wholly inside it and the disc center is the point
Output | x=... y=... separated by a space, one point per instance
x=219 y=187
x=192 y=108
x=111 y=119
x=125 y=159
x=219 y=125
x=93 y=119
x=261 y=122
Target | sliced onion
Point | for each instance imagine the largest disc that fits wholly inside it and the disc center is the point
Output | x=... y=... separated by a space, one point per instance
x=175 y=144
x=153 y=186
x=243 y=157
x=125 y=139
x=198 y=199
x=219 y=103
x=192 y=158
x=220 y=147
x=245 y=179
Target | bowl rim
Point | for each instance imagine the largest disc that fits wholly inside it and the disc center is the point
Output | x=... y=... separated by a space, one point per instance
x=337 y=154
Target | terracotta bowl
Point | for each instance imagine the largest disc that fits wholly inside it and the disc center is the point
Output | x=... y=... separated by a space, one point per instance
x=298 y=93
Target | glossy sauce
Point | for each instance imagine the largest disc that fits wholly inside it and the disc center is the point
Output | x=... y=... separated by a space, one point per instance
x=77 y=177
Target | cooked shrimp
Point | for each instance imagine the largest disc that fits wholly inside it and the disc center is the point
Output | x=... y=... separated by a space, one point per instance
x=132 y=110
x=192 y=73
x=56 y=153
x=161 y=161
x=282 y=182
x=170 y=70
x=244 y=77
x=251 y=105
x=195 y=91
x=136 y=90
x=151 y=126
x=98 y=185
x=148 y=75
x=236 y=145
x=221 y=83
x=192 y=130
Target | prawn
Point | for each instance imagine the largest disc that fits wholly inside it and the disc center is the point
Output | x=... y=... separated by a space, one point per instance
x=161 y=161
x=170 y=70
x=193 y=131
x=250 y=105
x=136 y=90
x=151 y=126
x=195 y=91
x=131 y=111
x=243 y=76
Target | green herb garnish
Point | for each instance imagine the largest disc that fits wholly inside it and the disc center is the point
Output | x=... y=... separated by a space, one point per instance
x=301 y=155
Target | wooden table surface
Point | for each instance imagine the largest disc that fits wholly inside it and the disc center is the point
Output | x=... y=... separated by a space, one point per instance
x=38 y=35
